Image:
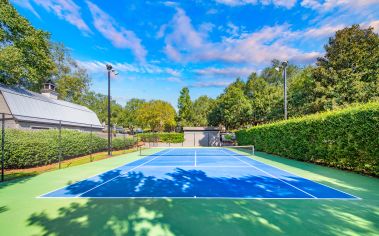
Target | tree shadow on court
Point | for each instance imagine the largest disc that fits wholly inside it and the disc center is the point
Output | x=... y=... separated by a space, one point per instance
x=3 y=209
x=207 y=216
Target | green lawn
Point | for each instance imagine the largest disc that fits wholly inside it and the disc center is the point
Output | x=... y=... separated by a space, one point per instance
x=21 y=213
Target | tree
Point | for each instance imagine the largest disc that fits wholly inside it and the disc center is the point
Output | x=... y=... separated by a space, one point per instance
x=301 y=93
x=201 y=109
x=349 y=71
x=157 y=115
x=98 y=103
x=130 y=113
x=265 y=99
x=233 y=109
x=275 y=77
x=71 y=79
x=185 y=108
x=25 y=57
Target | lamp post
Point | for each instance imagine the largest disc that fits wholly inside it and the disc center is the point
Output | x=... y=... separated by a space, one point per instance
x=284 y=65
x=109 y=68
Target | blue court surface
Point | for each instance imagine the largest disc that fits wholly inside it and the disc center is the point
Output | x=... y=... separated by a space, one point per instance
x=198 y=173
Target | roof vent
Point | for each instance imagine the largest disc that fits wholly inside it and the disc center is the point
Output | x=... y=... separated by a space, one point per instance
x=48 y=90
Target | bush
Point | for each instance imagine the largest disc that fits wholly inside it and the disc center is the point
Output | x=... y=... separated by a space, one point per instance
x=25 y=148
x=162 y=137
x=346 y=138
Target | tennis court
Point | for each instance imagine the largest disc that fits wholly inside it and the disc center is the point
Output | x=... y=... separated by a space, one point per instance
x=225 y=172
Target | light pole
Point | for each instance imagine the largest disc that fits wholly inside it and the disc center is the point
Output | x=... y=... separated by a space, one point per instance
x=284 y=66
x=109 y=68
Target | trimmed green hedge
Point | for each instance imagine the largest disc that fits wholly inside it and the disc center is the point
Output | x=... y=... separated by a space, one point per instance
x=24 y=149
x=162 y=137
x=346 y=138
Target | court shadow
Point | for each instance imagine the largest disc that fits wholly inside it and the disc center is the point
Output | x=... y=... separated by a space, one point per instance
x=167 y=216
x=208 y=217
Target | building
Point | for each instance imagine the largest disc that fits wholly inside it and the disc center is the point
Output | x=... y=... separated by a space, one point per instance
x=24 y=109
x=202 y=136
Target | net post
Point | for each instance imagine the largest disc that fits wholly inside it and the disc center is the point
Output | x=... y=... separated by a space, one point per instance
x=2 y=145
x=253 y=150
x=60 y=144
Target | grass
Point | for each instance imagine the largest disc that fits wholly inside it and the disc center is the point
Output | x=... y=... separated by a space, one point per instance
x=20 y=173
x=21 y=213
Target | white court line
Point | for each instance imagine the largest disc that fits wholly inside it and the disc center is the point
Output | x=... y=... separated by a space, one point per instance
x=271 y=175
x=118 y=167
x=121 y=174
x=309 y=179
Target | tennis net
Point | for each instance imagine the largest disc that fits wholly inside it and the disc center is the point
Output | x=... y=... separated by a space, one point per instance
x=247 y=150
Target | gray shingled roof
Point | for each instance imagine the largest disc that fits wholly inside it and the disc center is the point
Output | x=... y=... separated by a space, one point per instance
x=29 y=106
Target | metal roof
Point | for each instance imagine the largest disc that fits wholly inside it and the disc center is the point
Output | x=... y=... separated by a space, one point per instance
x=201 y=129
x=29 y=106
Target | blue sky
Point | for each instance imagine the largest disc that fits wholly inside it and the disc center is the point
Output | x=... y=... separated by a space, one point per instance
x=158 y=47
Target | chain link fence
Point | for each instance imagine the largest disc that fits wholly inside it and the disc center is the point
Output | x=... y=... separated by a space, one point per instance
x=34 y=142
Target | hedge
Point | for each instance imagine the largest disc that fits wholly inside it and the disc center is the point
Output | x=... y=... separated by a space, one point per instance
x=162 y=137
x=24 y=149
x=346 y=138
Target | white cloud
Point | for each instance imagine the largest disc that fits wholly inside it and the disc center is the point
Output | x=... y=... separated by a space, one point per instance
x=375 y=25
x=145 y=68
x=174 y=79
x=184 y=43
x=227 y=71
x=331 y=4
x=278 y=3
x=118 y=35
x=27 y=5
x=66 y=10
x=211 y=84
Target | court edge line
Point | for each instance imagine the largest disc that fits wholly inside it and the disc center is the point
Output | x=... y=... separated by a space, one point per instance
x=120 y=175
x=272 y=175
x=41 y=196
x=305 y=178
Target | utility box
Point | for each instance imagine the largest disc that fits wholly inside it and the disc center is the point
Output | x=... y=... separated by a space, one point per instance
x=202 y=137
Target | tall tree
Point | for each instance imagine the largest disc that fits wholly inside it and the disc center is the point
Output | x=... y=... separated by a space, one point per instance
x=25 y=57
x=349 y=71
x=265 y=99
x=301 y=93
x=157 y=115
x=233 y=109
x=274 y=76
x=201 y=109
x=71 y=79
x=185 y=108
x=130 y=113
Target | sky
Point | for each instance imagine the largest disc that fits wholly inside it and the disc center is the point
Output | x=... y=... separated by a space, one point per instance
x=159 y=47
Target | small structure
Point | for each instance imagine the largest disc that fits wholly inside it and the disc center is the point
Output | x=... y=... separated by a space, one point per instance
x=24 y=109
x=202 y=136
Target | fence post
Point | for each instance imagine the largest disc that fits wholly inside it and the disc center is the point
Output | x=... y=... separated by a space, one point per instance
x=60 y=143
x=2 y=145
x=90 y=146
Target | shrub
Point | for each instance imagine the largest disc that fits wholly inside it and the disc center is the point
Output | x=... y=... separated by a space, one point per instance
x=25 y=148
x=162 y=137
x=346 y=138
